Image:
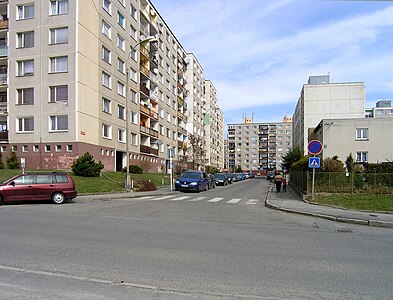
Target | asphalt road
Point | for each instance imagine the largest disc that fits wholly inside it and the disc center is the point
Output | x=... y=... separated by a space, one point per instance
x=219 y=244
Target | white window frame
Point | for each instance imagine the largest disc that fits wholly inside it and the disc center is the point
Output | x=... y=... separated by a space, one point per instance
x=24 y=68
x=133 y=12
x=106 y=29
x=121 y=112
x=121 y=20
x=106 y=80
x=22 y=38
x=134 y=117
x=21 y=100
x=107 y=6
x=133 y=75
x=106 y=105
x=121 y=135
x=106 y=54
x=21 y=124
x=58 y=64
x=59 y=7
x=106 y=131
x=54 y=123
x=134 y=139
x=121 y=66
x=121 y=42
x=23 y=11
x=55 y=33
x=54 y=92
x=362 y=134
x=121 y=88
x=361 y=156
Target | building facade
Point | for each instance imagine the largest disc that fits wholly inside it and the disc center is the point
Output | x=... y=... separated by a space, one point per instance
x=321 y=99
x=105 y=77
x=258 y=146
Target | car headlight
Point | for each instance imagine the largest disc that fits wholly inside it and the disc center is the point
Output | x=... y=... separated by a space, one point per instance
x=193 y=183
x=177 y=181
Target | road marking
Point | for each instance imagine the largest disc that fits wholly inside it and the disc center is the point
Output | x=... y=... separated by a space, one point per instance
x=252 y=201
x=197 y=199
x=145 y=197
x=163 y=197
x=234 y=200
x=180 y=198
x=215 y=199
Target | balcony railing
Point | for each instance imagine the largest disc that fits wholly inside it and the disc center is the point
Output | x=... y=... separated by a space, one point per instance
x=3 y=108
x=149 y=131
x=145 y=110
x=180 y=115
x=3 y=51
x=148 y=150
x=3 y=79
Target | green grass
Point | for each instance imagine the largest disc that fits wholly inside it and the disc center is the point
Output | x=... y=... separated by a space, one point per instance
x=109 y=182
x=370 y=202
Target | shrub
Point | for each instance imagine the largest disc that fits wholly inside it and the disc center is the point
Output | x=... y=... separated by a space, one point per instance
x=144 y=186
x=1 y=161
x=86 y=166
x=134 y=169
x=13 y=161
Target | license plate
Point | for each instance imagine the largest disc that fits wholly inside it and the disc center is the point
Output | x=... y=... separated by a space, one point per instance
x=184 y=185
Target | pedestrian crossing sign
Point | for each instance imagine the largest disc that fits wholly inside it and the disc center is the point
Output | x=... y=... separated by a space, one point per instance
x=314 y=162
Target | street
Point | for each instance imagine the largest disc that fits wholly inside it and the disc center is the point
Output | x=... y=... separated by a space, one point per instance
x=219 y=244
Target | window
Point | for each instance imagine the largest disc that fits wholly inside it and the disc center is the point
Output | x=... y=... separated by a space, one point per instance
x=133 y=75
x=121 y=135
x=25 y=96
x=133 y=12
x=106 y=80
x=121 y=65
x=59 y=35
x=106 y=4
x=58 y=123
x=25 y=124
x=121 y=112
x=47 y=148
x=134 y=139
x=133 y=54
x=58 y=93
x=59 y=64
x=106 y=105
x=25 y=11
x=120 y=88
x=26 y=67
x=106 y=131
x=69 y=148
x=361 y=156
x=134 y=117
x=106 y=54
x=121 y=20
x=106 y=29
x=58 y=7
x=361 y=133
x=120 y=42
x=58 y=148
x=25 y=39
x=134 y=96
x=133 y=33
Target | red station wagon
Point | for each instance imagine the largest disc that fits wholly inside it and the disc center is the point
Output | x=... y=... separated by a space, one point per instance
x=57 y=187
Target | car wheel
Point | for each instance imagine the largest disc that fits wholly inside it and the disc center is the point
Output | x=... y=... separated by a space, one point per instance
x=1 y=200
x=58 y=198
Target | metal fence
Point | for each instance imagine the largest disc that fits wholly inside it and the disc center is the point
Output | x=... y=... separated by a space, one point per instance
x=340 y=182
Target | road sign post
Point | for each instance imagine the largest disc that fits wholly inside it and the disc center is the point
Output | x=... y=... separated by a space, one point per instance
x=314 y=147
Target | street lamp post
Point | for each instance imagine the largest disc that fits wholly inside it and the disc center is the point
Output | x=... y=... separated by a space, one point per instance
x=142 y=40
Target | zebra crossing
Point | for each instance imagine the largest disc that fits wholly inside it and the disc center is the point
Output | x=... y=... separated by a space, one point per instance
x=175 y=198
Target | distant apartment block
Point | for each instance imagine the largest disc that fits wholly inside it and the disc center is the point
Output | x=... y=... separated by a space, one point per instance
x=320 y=99
x=258 y=146
x=78 y=76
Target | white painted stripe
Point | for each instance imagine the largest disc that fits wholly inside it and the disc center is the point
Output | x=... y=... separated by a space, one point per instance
x=180 y=198
x=234 y=200
x=252 y=201
x=163 y=197
x=145 y=197
x=197 y=199
x=215 y=199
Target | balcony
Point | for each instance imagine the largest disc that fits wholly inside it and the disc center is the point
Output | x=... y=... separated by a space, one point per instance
x=149 y=131
x=3 y=24
x=148 y=150
x=3 y=136
x=3 y=51
x=181 y=144
x=4 y=108
x=181 y=116
x=144 y=70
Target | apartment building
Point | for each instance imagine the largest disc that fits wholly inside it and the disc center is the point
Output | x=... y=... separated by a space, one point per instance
x=321 y=99
x=258 y=146
x=107 y=77
x=213 y=127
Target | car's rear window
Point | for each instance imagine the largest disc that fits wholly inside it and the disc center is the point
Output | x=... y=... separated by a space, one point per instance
x=61 y=178
x=44 y=178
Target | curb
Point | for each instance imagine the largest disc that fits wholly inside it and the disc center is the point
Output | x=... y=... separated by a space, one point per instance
x=374 y=223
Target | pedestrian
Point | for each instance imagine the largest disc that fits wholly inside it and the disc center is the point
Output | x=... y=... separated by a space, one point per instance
x=284 y=184
x=278 y=181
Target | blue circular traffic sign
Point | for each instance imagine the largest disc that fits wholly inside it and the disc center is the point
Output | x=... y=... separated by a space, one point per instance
x=314 y=147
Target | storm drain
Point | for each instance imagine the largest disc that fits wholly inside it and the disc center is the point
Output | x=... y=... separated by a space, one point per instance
x=344 y=230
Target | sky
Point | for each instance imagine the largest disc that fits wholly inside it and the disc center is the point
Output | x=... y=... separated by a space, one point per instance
x=259 y=53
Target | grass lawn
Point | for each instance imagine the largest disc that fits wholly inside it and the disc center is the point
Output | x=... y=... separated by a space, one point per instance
x=109 y=182
x=371 y=202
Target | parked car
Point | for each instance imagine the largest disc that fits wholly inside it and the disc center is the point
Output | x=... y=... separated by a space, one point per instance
x=221 y=178
x=192 y=181
x=241 y=176
x=57 y=187
x=234 y=177
x=251 y=175
x=212 y=181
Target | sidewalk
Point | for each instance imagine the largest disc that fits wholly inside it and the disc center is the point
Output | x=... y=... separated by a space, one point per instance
x=288 y=201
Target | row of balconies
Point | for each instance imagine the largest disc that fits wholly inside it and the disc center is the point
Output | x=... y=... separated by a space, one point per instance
x=150 y=131
x=148 y=150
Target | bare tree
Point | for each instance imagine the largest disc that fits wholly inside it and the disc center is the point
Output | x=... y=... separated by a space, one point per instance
x=196 y=150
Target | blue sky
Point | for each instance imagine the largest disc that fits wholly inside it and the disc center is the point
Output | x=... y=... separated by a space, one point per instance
x=259 y=53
